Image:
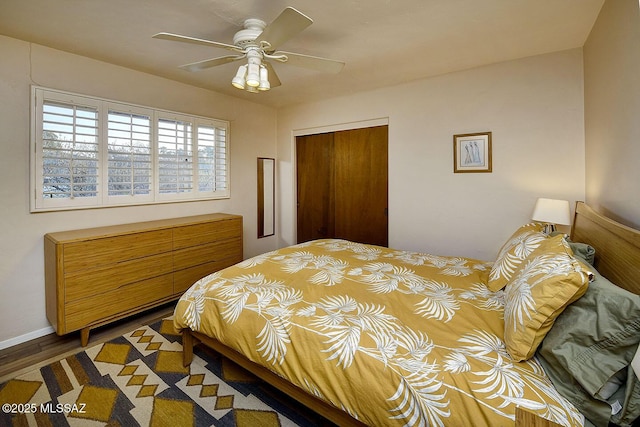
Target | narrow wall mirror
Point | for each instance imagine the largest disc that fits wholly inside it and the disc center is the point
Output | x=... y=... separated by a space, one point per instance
x=266 y=193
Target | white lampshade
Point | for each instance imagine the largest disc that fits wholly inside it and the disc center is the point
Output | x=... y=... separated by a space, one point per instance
x=552 y=211
x=239 y=80
x=264 y=79
x=253 y=75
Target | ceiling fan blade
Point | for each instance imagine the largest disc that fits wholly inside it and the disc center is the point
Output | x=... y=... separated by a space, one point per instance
x=208 y=63
x=313 y=62
x=274 y=81
x=187 y=39
x=289 y=23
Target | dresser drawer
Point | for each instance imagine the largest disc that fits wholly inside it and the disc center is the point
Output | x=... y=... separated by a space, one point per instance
x=112 y=250
x=189 y=257
x=199 y=234
x=86 y=311
x=84 y=283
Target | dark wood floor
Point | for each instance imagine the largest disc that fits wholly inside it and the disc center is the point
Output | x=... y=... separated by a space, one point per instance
x=23 y=357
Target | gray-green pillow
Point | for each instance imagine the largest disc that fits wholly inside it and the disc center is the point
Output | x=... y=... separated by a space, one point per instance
x=583 y=251
x=590 y=342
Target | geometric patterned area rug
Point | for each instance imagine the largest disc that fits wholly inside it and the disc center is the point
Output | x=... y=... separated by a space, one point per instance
x=138 y=380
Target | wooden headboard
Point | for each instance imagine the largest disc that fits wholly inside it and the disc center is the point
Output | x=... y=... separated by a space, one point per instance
x=617 y=246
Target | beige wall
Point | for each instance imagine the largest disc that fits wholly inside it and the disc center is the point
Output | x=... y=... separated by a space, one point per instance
x=612 y=111
x=533 y=106
x=253 y=129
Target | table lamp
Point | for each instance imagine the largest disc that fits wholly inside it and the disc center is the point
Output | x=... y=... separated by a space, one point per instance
x=551 y=212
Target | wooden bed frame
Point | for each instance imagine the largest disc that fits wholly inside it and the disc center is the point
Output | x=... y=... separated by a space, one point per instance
x=617 y=246
x=617 y=258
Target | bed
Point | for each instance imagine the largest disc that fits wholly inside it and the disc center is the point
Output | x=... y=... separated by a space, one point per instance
x=366 y=335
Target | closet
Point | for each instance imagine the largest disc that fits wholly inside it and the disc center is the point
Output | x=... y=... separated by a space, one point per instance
x=342 y=185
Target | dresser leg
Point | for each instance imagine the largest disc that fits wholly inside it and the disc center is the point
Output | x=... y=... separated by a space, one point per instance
x=84 y=336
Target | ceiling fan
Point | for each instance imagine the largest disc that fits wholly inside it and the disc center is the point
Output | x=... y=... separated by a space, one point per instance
x=258 y=43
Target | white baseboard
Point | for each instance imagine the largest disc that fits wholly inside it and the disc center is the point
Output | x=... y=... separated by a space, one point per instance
x=26 y=337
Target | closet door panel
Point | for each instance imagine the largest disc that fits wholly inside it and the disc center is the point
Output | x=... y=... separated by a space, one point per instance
x=360 y=185
x=315 y=202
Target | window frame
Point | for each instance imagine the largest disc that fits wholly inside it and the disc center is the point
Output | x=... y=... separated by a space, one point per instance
x=40 y=96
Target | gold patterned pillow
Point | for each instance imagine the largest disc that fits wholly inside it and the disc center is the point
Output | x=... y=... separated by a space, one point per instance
x=526 y=238
x=541 y=288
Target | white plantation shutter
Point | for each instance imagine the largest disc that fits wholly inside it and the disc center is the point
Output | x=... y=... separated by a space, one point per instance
x=130 y=158
x=175 y=156
x=192 y=158
x=69 y=154
x=212 y=158
x=91 y=152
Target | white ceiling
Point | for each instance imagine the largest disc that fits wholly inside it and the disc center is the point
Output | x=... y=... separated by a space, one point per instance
x=383 y=42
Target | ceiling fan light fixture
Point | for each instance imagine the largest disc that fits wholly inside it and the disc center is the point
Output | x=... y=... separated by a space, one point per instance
x=239 y=80
x=253 y=75
x=257 y=42
x=264 y=79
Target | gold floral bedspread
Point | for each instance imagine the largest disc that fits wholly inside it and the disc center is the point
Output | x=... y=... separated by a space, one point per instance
x=391 y=337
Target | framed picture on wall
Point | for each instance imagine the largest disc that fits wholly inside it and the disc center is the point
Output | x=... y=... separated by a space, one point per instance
x=472 y=152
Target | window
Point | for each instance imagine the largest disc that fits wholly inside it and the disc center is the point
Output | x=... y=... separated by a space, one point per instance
x=129 y=154
x=69 y=151
x=91 y=152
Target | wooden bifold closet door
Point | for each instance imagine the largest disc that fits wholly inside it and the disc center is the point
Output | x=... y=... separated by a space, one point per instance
x=342 y=185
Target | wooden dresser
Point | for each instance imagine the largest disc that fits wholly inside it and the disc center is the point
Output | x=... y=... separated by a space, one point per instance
x=97 y=275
